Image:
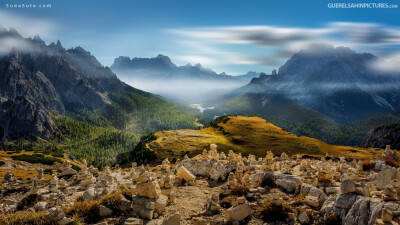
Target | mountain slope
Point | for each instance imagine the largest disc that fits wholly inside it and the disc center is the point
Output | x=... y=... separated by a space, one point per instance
x=247 y=135
x=382 y=136
x=43 y=85
x=336 y=82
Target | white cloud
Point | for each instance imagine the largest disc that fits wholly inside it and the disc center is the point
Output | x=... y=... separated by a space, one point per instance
x=390 y=64
x=27 y=26
x=281 y=42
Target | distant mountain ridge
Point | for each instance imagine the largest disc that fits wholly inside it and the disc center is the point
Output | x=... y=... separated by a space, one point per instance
x=189 y=83
x=336 y=82
x=161 y=67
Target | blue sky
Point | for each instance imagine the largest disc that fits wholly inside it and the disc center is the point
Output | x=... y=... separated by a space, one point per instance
x=209 y=32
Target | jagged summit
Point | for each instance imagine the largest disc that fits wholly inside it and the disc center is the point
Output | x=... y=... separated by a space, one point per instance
x=336 y=81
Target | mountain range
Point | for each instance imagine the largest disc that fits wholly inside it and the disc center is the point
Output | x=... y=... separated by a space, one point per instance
x=189 y=83
x=65 y=100
x=39 y=81
x=336 y=82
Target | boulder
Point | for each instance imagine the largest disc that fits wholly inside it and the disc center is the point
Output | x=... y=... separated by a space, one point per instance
x=174 y=219
x=186 y=174
x=238 y=213
x=348 y=186
x=311 y=201
x=89 y=194
x=55 y=214
x=40 y=206
x=149 y=189
x=287 y=182
x=359 y=212
x=146 y=214
x=385 y=176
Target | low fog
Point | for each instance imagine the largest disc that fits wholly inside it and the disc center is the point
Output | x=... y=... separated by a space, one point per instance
x=190 y=91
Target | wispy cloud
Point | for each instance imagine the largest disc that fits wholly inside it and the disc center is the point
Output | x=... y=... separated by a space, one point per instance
x=27 y=26
x=276 y=44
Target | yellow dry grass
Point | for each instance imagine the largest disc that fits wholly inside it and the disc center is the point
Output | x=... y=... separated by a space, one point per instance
x=249 y=135
x=24 y=173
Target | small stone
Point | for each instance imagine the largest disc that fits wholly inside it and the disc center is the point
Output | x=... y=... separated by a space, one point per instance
x=303 y=218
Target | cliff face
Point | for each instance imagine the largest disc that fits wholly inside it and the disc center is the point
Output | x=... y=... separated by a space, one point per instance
x=26 y=100
x=382 y=136
x=41 y=79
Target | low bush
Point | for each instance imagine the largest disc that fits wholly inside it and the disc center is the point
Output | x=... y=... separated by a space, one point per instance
x=268 y=180
x=28 y=201
x=368 y=165
x=112 y=201
x=331 y=220
x=86 y=210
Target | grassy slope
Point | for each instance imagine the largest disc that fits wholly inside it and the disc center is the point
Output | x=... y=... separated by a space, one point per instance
x=300 y=120
x=21 y=171
x=249 y=135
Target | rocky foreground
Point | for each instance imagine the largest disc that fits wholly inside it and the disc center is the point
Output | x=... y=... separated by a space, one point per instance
x=212 y=188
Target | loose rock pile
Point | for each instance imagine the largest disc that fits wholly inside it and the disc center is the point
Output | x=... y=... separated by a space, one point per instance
x=230 y=189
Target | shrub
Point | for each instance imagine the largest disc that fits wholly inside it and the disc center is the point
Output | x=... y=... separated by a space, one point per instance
x=25 y=218
x=368 y=165
x=87 y=210
x=271 y=212
x=331 y=220
x=268 y=181
x=112 y=201
x=28 y=201
x=2 y=163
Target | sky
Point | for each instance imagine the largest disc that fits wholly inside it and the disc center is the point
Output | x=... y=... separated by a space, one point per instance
x=232 y=36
